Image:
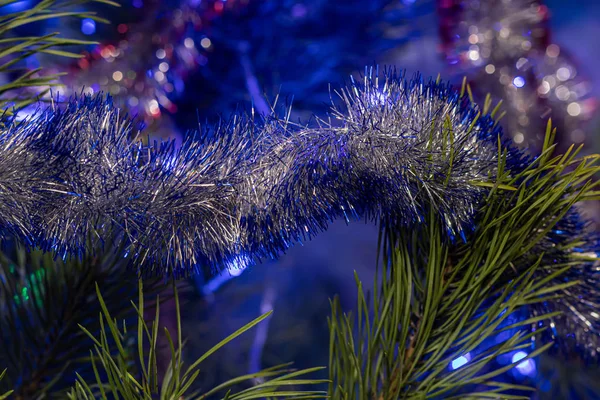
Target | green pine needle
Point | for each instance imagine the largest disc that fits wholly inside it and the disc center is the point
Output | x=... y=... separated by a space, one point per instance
x=124 y=383
x=42 y=301
x=5 y=395
x=433 y=303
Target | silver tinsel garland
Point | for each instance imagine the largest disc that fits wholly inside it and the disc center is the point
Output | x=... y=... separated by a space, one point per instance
x=578 y=325
x=247 y=188
x=392 y=151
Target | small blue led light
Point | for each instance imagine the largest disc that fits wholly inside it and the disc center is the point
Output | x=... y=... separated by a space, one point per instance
x=460 y=361
x=88 y=26
x=519 y=81
x=518 y=356
x=235 y=269
x=526 y=367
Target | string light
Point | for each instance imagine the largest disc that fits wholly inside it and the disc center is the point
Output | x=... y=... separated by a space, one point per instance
x=526 y=367
x=460 y=361
x=574 y=109
x=188 y=43
x=519 y=81
x=88 y=26
x=205 y=42
x=163 y=66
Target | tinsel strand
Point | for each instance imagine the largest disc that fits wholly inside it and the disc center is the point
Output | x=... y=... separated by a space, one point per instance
x=248 y=188
x=393 y=150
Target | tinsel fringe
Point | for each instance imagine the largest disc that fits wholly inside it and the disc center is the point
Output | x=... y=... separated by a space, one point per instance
x=392 y=150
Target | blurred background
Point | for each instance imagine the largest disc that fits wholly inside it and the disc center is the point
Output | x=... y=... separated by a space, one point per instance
x=180 y=63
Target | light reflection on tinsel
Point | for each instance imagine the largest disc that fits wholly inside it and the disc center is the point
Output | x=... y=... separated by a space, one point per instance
x=504 y=49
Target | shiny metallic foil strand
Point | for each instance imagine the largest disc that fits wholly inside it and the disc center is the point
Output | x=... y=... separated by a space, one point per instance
x=504 y=49
x=250 y=188
x=75 y=177
x=578 y=327
x=171 y=209
x=86 y=144
x=392 y=150
x=21 y=174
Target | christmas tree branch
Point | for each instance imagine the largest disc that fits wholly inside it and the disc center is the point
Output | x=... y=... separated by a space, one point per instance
x=42 y=302
x=434 y=303
x=123 y=383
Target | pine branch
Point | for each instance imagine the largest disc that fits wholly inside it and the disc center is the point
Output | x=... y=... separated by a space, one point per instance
x=42 y=302
x=435 y=302
x=14 y=49
x=122 y=383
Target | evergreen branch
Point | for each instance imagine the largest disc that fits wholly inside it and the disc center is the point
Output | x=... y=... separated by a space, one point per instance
x=123 y=383
x=434 y=303
x=42 y=301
